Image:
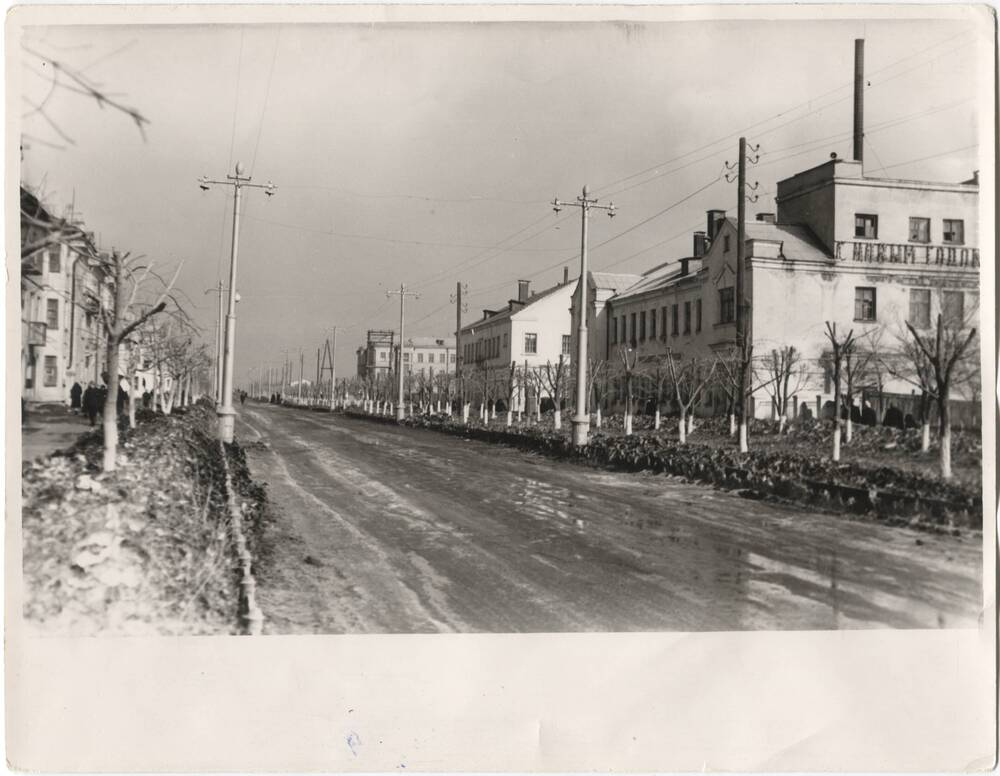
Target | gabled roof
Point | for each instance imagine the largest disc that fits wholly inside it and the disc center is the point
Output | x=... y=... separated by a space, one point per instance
x=515 y=307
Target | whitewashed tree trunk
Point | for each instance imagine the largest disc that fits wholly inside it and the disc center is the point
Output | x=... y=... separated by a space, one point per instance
x=946 y=472
x=744 y=443
x=849 y=430
x=465 y=414
x=682 y=428
x=732 y=424
x=597 y=420
x=656 y=420
x=557 y=420
x=836 y=442
x=690 y=423
x=628 y=424
x=925 y=436
x=510 y=418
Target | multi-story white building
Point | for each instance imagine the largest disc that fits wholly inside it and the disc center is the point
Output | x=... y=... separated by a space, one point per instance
x=61 y=339
x=429 y=356
x=867 y=254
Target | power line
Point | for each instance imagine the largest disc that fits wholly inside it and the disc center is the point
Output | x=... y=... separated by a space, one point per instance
x=388 y=239
x=267 y=94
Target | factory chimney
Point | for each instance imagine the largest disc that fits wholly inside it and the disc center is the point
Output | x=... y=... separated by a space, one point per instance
x=859 y=99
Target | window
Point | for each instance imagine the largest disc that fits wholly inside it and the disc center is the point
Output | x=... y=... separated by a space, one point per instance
x=420 y=358
x=727 y=305
x=725 y=243
x=452 y=359
x=687 y=317
x=920 y=308
x=953 y=308
x=632 y=329
x=953 y=232
x=52 y=313
x=864 y=303
x=697 y=315
x=530 y=343
x=54 y=263
x=663 y=323
x=51 y=371
x=642 y=326
x=652 y=324
x=866 y=226
x=504 y=341
x=381 y=355
x=674 y=316
x=920 y=230
x=406 y=358
x=565 y=344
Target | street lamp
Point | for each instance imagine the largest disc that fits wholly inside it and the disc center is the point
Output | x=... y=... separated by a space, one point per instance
x=581 y=420
x=225 y=411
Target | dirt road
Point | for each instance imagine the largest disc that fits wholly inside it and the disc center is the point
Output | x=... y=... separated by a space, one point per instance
x=394 y=530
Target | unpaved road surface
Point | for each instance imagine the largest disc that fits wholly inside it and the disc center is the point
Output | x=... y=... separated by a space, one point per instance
x=382 y=529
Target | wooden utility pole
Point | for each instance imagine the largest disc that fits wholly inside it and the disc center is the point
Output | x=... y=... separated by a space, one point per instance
x=459 y=309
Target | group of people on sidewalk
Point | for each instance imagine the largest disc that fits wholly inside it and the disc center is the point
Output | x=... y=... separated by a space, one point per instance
x=91 y=400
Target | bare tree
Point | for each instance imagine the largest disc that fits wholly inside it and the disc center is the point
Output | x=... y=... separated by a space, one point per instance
x=952 y=344
x=689 y=379
x=555 y=378
x=840 y=348
x=126 y=314
x=512 y=389
x=595 y=391
x=629 y=362
x=786 y=377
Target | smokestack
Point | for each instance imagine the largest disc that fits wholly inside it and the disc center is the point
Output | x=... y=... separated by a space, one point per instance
x=859 y=99
x=565 y=275
x=522 y=290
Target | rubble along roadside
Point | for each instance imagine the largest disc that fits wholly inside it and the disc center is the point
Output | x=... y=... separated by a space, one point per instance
x=144 y=550
x=885 y=493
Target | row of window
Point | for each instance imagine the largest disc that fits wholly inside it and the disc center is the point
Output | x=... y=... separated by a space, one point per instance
x=952 y=229
x=494 y=347
x=384 y=356
x=637 y=327
x=919 y=316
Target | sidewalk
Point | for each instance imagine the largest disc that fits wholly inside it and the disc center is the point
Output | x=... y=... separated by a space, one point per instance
x=50 y=427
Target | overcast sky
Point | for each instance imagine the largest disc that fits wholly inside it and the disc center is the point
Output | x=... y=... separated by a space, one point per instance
x=403 y=153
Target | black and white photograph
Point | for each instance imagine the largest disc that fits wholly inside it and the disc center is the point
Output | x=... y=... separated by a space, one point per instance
x=445 y=326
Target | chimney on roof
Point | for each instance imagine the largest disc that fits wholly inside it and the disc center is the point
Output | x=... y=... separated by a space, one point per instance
x=859 y=99
x=684 y=265
x=700 y=245
x=565 y=275
x=766 y=218
x=714 y=217
x=522 y=290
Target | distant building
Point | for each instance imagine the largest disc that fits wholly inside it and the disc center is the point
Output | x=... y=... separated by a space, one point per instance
x=429 y=356
x=374 y=357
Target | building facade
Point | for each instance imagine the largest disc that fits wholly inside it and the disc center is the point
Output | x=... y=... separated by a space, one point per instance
x=866 y=254
x=61 y=337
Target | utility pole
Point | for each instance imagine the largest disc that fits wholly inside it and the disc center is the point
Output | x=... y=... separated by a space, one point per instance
x=581 y=420
x=459 y=309
x=403 y=293
x=302 y=365
x=742 y=310
x=225 y=412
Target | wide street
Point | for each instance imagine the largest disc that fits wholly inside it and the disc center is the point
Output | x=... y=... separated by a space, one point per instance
x=380 y=529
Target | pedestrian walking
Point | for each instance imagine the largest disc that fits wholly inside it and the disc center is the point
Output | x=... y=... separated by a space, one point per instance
x=75 y=397
x=243 y=398
x=91 y=402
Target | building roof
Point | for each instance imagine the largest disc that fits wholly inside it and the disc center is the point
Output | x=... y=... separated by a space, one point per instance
x=797 y=242
x=513 y=306
x=659 y=276
x=615 y=281
x=431 y=342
